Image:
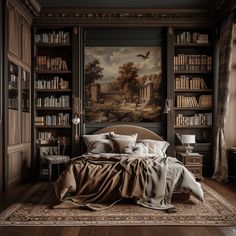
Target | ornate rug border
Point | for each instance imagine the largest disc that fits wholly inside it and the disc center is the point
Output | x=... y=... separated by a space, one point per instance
x=8 y=211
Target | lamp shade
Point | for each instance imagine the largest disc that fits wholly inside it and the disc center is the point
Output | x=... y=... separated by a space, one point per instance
x=187 y=138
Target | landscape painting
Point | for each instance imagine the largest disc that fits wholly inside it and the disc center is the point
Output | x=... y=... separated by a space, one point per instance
x=123 y=84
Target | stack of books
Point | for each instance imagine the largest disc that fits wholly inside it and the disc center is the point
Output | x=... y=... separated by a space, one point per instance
x=186 y=37
x=55 y=83
x=191 y=101
x=197 y=119
x=52 y=101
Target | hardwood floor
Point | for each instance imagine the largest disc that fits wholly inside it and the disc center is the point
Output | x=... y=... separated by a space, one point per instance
x=228 y=190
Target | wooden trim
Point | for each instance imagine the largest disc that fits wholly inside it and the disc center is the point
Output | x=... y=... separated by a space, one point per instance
x=18 y=147
x=1 y=94
x=5 y=96
x=33 y=6
x=124 y=16
x=20 y=8
x=18 y=61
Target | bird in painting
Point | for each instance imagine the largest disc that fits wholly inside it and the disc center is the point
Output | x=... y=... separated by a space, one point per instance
x=144 y=57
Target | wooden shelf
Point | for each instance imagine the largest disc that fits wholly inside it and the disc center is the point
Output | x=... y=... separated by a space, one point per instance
x=193 y=126
x=193 y=72
x=52 y=44
x=193 y=108
x=192 y=45
x=53 y=126
x=53 y=108
x=53 y=71
x=13 y=108
x=193 y=90
x=53 y=90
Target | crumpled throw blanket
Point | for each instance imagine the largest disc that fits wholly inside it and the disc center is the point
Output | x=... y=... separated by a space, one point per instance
x=98 y=181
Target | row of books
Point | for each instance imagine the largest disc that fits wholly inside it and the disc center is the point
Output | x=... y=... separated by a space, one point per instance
x=60 y=37
x=191 y=37
x=55 y=83
x=52 y=101
x=60 y=119
x=46 y=136
x=197 y=119
x=191 y=101
x=47 y=63
x=25 y=103
x=187 y=62
x=185 y=82
x=13 y=102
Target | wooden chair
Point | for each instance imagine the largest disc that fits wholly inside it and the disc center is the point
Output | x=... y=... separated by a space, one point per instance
x=52 y=154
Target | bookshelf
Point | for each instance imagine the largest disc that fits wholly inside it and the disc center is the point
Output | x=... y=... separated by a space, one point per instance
x=193 y=89
x=53 y=85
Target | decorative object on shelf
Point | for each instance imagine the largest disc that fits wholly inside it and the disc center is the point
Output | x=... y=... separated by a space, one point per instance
x=186 y=140
x=168 y=106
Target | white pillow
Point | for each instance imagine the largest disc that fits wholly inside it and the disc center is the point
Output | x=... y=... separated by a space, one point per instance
x=155 y=146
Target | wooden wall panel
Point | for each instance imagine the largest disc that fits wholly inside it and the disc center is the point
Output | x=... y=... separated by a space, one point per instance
x=14 y=31
x=26 y=41
x=13 y=127
x=14 y=167
x=26 y=162
x=25 y=127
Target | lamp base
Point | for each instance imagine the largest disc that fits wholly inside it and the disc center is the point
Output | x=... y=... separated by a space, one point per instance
x=188 y=149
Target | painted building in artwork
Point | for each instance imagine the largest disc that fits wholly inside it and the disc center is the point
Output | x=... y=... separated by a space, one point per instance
x=146 y=94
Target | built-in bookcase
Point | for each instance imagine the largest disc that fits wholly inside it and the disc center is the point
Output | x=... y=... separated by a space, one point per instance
x=52 y=85
x=193 y=96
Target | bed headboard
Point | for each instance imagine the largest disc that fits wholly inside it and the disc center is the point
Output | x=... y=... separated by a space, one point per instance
x=130 y=129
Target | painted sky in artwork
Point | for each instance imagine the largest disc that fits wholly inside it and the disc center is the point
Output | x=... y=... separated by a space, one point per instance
x=112 y=57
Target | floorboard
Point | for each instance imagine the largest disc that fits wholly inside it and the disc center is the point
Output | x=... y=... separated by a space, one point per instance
x=227 y=190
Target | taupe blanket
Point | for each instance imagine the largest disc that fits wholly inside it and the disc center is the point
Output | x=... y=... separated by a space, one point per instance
x=98 y=181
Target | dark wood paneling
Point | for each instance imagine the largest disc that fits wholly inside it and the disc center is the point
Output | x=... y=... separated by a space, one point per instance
x=135 y=37
x=26 y=41
x=14 y=30
x=1 y=87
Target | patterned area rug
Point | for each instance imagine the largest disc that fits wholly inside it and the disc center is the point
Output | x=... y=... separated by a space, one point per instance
x=36 y=209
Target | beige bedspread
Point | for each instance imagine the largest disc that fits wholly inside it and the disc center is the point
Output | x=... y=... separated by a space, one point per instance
x=98 y=181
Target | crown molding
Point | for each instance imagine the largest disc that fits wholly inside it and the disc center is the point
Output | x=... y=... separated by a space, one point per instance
x=33 y=6
x=124 y=15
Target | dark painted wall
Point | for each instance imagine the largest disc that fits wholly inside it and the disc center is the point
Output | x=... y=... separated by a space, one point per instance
x=128 y=3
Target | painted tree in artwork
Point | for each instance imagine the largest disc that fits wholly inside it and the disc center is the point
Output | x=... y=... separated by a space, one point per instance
x=127 y=79
x=93 y=72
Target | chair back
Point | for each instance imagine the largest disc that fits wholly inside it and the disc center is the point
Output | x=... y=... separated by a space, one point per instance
x=52 y=147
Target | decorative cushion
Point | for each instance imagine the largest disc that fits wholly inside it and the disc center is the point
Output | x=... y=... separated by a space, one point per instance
x=55 y=159
x=90 y=139
x=120 y=142
x=103 y=146
x=137 y=149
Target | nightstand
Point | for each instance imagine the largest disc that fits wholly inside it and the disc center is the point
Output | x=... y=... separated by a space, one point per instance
x=193 y=162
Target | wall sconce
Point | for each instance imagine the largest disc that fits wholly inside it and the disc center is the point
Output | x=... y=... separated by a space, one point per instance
x=168 y=106
x=77 y=111
x=76 y=121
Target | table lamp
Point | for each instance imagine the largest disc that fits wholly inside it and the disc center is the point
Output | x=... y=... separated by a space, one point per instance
x=188 y=139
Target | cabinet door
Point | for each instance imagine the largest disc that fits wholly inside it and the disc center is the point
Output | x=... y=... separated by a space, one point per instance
x=14 y=167
x=14 y=29
x=13 y=127
x=26 y=41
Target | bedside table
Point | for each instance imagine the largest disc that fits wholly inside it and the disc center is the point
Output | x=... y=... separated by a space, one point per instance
x=193 y=162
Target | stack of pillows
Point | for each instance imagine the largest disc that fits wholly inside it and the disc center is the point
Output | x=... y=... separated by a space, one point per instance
x=128 y=144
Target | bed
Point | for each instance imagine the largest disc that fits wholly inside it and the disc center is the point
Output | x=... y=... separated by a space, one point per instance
x=98 y=180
